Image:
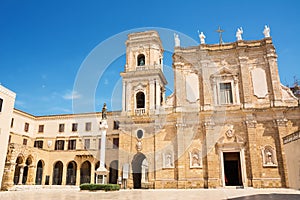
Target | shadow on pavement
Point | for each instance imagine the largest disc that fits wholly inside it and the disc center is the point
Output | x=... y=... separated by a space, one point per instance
x=270 y=196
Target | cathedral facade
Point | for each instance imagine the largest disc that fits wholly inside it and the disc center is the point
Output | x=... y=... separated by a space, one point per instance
x=222 y=126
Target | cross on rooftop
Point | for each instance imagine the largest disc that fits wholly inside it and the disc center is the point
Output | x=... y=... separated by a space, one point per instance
x=220 y=31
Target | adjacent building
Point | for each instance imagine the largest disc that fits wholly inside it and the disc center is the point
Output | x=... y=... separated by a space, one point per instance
x=223 y=126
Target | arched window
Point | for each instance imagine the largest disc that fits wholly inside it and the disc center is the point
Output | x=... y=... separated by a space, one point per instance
x=140 y=100
x=141 y=60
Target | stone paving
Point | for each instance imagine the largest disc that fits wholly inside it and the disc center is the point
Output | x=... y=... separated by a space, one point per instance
x=166 y=194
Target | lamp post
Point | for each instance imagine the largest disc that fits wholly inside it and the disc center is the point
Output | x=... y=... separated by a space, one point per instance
x=101 y=172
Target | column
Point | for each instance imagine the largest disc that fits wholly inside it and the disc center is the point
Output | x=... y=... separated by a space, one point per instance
x=152 y=95
x=31 y=175
x=92 y=172
x=157 y=94
x=64 y=175
x=273 y=70
x=281 y=124
x=124 y=97
x=21 y=175
x=254 y=151
x=246 y=83
x=128 y=97
x=78 y=173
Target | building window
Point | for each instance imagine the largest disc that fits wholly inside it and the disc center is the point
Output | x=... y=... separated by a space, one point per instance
x=59 y=144
x=9 y=139
x=140 y=100
x=140 y=134
x=115 y=143
x=141 y=60
x=38 y=144
x=24 y=141
x=116 y=125
x=26 y=127
x=87 y=143
x=61 y=128
x=72 y=145
x=1 y=102
x=41 y=128
x=74 y=127
x=12 y=122
x=225 y=84
x=88 y=126
x=225 y=93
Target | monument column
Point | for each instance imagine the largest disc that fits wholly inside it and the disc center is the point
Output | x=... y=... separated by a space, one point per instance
x=102 y=172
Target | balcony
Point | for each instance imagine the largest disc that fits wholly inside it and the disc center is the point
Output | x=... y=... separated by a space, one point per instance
x=140 y=111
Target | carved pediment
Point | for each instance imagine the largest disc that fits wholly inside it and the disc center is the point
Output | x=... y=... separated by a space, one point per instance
x=223 y=72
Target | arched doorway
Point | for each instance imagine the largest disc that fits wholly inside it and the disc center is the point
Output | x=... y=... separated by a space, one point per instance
x=57 y=173
x=39 y=173
x=71 y=173
x=113 y=172
x=139 y=171
x=25 y=172
x=85 y=172
x=18 y=167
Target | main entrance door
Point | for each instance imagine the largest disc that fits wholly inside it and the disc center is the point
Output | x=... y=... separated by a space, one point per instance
x=137 y=170
x=232 y=169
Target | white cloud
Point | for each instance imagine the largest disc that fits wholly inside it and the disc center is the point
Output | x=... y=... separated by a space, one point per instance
x=71 y=95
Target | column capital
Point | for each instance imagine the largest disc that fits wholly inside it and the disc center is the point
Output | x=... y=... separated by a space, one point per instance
x=281 y=122
x=251 y=123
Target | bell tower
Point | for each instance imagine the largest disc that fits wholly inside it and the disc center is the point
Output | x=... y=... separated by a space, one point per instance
x=143 y=78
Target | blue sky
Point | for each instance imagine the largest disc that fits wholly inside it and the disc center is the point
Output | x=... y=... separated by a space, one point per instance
x=43 y=43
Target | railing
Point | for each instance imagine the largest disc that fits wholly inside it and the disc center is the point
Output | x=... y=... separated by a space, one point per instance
x=140 y=111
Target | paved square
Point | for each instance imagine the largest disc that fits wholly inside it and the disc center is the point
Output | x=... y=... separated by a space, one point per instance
x=170 y=194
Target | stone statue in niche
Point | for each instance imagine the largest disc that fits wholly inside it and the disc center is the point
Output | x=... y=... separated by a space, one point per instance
x=195 y=159
x=269 y=157
x=266 y=31
x=239 y=33
x=177 y=40
x=168 y=160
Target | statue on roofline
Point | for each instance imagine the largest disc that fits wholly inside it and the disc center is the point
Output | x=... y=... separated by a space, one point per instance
x=266 y=31
x=239 y=33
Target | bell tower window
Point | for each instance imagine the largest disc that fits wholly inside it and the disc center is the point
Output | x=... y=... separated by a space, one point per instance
x=140 y=100
x=141 y=60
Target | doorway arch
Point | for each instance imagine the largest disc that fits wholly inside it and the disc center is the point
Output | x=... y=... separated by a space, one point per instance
x=139 y=173
x=113 y=172
x=71 y=173
x=85 y=172
x=39 y=172
x=57 y=173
